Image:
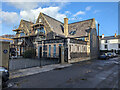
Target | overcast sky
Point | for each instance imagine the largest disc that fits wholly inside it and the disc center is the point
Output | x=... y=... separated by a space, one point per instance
x=105 y=13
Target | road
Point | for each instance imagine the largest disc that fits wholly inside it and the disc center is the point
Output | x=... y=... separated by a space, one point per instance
x=87 y=74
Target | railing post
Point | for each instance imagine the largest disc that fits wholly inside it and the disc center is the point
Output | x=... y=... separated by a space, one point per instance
x=62 y=54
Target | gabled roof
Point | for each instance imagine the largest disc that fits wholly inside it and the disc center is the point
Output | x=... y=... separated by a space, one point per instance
x=56 y=25
x=24 y=26
x=27 y=25
x=79 y=29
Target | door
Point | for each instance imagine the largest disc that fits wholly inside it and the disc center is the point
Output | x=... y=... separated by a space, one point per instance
x=66 y=55
x=40 y=52
x=59 y=54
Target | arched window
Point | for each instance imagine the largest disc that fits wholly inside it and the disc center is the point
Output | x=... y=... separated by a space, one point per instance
x=22 y=34
x=41 y=30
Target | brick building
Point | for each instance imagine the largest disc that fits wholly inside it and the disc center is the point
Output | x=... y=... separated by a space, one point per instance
x=79 y=39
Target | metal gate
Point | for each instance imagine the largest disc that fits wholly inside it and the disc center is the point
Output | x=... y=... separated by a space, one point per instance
x=40 y=52
x=49 y=60
x=22 y=63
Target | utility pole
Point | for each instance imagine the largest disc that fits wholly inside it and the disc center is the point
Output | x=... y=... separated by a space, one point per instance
x=98 y=37
x=98 y=29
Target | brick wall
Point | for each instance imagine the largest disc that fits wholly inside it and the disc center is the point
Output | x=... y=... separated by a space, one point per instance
x=75 y=48
x=45 y=47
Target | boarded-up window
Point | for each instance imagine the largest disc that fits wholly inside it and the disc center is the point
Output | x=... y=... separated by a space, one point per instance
x=77 y=48
x=80 y=48
x=70 y=48
x=84 y=49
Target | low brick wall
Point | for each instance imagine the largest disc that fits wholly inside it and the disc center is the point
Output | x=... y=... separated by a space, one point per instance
x=78 y=59
x=78 y=55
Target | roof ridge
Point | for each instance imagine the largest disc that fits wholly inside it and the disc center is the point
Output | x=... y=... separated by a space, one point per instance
x=63 y=23
x=52 y=18
x=109 y=36
x=26 y=21
x=81 y=21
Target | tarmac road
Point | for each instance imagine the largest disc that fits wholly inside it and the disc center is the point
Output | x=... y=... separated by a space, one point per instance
x=87 y=74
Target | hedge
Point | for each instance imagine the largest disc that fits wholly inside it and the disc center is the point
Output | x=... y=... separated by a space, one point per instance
x=29 y=53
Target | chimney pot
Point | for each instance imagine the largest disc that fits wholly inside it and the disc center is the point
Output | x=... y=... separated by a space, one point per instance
x=102 y=35
x=115 y=35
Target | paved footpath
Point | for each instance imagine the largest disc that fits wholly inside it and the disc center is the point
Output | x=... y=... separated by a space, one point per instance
x=86 y=74
x=35 y=70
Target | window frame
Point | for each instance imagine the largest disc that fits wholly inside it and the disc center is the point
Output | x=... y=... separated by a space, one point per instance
x=44 y=47
x=49 y=50
x=118 y=45
x=54 y=51
x=106 y=46
x=106 y=41
x=23 y=34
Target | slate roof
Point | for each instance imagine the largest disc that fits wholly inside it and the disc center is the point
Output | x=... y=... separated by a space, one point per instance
x=56 y=25
x=111 y=37
x=27 y=24
x=81 y=28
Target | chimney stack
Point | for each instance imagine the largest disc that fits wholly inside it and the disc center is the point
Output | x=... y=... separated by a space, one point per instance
x=102 y=35
x=66 y=27
x=115 y=35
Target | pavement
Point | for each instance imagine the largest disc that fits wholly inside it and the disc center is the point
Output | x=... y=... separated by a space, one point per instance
x=35 y=70
x=86 y=74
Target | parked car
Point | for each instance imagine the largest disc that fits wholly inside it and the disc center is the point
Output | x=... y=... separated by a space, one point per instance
x=4 y=75
x=104 y=56
x=114 y=54
x=109 y=54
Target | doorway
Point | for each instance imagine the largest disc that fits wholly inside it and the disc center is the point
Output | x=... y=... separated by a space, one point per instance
x=40 y=52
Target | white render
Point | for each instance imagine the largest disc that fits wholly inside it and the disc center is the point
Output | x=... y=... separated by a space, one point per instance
x=112 y=44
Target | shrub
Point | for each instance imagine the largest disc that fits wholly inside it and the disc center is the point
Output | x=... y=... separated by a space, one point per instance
x=29 y=53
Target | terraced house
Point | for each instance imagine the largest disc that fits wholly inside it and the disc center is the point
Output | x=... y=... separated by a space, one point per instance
x=47 y=35
x=110 y=43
